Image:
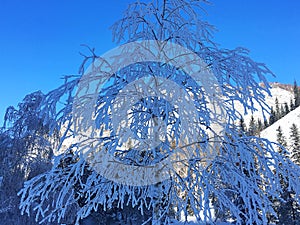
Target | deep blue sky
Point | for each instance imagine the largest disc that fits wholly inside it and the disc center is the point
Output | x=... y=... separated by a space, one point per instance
x=40 y=40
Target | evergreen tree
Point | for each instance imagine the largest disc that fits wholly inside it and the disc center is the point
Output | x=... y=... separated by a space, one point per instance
x=242 y=126
x=281 y=139
x=295 y=144
x=266 y=124
x=252 y=131
x=260 y=125
x=272 y=118
x=282 y=111
x=287 y=209
x=296 y=95
x=292 y=104
x=277 y=110
x=286 y=108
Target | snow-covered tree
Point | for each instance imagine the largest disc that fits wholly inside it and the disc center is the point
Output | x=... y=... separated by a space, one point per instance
x=281 y=139
x=288 y=210
x=260 y=125
x=266 y=124
x=25 y=151
x=286 y=108
x=296 y=95
x=295 y=144
x=242 y=126
x=252 y=130
x=278 y=114
x=238 y=171
x=292 y=104
x=272 y=118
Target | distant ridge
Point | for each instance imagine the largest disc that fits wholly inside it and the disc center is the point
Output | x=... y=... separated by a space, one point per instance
x=287 y=87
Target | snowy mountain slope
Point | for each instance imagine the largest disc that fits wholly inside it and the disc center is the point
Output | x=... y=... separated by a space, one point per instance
x=285 y=123
x=282 y=92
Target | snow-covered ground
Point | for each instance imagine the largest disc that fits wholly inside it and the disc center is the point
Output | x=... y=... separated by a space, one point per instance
x=285 y=123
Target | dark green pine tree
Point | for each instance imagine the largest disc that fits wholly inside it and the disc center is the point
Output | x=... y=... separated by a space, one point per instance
x=266 y=124
x=242 y=126
x=282 y=111
x=260 y=125
x=288 y=210
x=296 y=95
x=295 y=144
x=281 y=139
x=286 y=108
x=277 y=110
x=252 y=130
x=292 y=105
x=272 y=118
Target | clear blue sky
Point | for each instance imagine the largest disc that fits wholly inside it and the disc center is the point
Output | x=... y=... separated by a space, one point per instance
x=40 y=40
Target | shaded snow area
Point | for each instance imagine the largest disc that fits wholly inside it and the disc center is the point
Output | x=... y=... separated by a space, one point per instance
x=285 y=123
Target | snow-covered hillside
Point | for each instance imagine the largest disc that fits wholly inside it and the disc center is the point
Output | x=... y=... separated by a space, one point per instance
x=282 y=92
x=285 y=123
